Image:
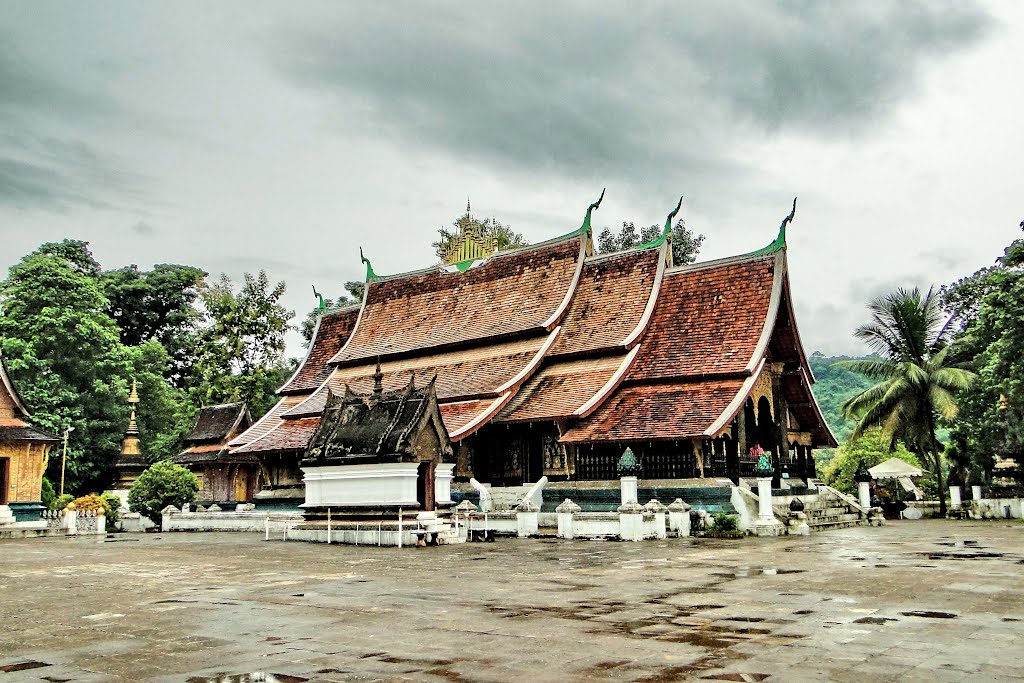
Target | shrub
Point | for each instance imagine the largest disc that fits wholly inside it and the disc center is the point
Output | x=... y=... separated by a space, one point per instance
x=47 y=495
x=61 y=502
x=724 y=526
x=163 y=484
x=114 y=509
x=91 y=502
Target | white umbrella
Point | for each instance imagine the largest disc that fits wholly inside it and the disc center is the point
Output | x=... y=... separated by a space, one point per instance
x=894 y=468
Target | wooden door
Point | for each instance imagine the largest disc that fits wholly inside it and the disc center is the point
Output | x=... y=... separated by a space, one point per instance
x=425 y=485
x=5 y=476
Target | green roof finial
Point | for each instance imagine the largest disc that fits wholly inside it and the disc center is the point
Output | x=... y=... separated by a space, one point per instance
x=321 y=307
x=780 y=242
x=590 y=210
x=370 y=275
x=628 y=465
x=660 y=239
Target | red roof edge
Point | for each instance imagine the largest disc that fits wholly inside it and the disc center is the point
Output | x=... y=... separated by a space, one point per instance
x=11 y=390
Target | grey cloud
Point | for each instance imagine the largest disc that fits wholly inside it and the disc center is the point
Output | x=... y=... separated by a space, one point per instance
x=143 y=228
x=570 y=90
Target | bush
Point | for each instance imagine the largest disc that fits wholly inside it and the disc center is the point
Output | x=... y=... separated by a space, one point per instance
x=61 y=502
x=163 y=484
x=47 y=495
x=724 y=525
x=93 y=503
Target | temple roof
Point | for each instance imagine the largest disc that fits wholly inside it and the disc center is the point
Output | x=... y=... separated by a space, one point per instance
x=513 y=293
x=549 y=332
x=219 y=422
x=14 y=425
x=332 y=331
x=378 y=425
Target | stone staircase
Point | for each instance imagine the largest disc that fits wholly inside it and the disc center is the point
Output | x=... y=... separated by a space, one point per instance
x=825 y=510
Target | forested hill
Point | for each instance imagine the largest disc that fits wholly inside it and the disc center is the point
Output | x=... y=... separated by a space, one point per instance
x=832 y=387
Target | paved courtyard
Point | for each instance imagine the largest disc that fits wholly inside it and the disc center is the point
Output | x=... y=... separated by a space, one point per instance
x=914 y=601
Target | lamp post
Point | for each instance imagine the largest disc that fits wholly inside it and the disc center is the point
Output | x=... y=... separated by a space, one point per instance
x=64 y=457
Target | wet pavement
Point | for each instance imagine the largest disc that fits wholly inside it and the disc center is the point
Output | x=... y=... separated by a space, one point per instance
x=912 y=601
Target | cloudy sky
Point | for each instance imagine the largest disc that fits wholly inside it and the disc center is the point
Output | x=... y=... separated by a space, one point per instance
x=237 y=136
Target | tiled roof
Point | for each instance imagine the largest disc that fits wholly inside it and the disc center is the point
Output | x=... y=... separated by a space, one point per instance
x=268 y=421
x=652 y=412
x=23 y=433
x=708 y=319
x=331 y=333
x=464 y=373
x=559 y=389
x=609 y=301
x=289 y=435
x=214 y=423
x=458 y=415
x=510 y=294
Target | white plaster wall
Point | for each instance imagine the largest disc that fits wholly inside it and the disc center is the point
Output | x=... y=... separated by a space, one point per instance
x=354 y=485
x=443 y=475
x=231 y=521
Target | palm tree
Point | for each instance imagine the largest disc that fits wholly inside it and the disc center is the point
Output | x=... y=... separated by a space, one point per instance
x=916 y=384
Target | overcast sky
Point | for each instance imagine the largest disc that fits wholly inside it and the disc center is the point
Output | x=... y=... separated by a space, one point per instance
x=236 y=136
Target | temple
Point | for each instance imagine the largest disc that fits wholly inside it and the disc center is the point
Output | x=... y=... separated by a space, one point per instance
x=550 y=360
x=224 y=478
x=24 y=452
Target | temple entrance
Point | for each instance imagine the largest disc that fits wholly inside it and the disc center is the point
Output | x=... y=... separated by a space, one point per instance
x=4 y=477
x=425 y=485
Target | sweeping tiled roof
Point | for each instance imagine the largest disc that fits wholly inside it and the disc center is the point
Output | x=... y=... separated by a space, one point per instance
x=512 y=293
x=332 y=331
x=652 y=412
x=218 y=422
x=708 y=319
x=13 y=414
x=270 y=420
x=23 y=432
x=609 y=301
x=288 y=435
x=560 y=389
x=463 y=374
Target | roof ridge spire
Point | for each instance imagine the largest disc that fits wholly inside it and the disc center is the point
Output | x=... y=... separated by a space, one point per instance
x=370 y=275
x=779 y=243
x=590 y=210
x=666 y=231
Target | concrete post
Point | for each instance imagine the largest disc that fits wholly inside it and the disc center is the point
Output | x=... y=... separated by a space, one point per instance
x=71 y=522
x=527 y=519
x=976 y=492
x=628 y=490
x=954 y=498
x=864 y=491
x=764 y=500
x=679 y=518
x=565 y=511
x=658 y=510
x=631 y=522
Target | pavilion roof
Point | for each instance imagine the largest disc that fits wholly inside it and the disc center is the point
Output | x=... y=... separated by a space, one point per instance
x=332 y=331
x=217 y=423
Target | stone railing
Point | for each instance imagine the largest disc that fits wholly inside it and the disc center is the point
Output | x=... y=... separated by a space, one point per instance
x=75 y=522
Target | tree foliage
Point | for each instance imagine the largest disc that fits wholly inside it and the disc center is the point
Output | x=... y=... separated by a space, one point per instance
x=990 y=340
x=353 y=294
x=163 y=484
x=833 y=386
x=917 y=384
x=870 y=448
x=685 y=245
x=242 y=348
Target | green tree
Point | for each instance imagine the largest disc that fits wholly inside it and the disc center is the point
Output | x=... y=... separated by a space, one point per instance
x=917 y=386
x=990 y=341
x=64 y=352
x=157 y=305
x=244 y=342
x=163 y=484
x=870 y=448
x=685 y=245
x=833 y=386
x=165 y=413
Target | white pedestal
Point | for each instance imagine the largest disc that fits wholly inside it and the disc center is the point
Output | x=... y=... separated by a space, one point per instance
x=954 y=497
x=340 y=486
x=628 y=489
x=443 y=475
x=864 y=493
x=976 y=492
x=527 y=523
x=565 y=529
x=631 y=526
x=6 y=516
x=766 y=524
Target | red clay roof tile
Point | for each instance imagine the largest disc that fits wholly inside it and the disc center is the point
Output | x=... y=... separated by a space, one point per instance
x=331 y=334
x=559 y=389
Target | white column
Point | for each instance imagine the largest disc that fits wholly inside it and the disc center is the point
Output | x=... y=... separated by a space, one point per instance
x=628 y=489
x=631 y=521
x=565 y=512
x=658 y=510
x=864 y=489
x=954 y=497
x=679 y=518
x=527 y=519
x=764 y=500
x=976 y=492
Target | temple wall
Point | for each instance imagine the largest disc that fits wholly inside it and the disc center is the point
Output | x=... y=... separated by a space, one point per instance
x=26 y=462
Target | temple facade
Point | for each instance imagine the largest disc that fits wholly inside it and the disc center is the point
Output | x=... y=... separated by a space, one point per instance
x=224 y=478
x=550 y=360
x=24 y=453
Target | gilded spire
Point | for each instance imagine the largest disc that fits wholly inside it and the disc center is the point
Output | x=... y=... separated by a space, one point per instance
x=133 y=397
x=130 y=444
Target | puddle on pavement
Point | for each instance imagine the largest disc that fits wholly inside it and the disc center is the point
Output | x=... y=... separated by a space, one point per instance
x=874 y=620
x=962 y=555
x=254 y=677
x=930 y=615
x=22 y=666
x=804 y=611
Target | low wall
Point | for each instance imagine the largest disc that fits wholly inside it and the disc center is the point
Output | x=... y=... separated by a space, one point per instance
x=999 y=508
x=253 y=520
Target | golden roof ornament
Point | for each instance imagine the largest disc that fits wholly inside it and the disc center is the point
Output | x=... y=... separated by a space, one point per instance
x=471 y=243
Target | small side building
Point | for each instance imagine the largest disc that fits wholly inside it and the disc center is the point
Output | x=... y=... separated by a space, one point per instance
x=224 y=478
x=24 y=452
x=377 y=453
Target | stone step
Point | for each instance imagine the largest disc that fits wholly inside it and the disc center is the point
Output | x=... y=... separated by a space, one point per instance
x=831 y=520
